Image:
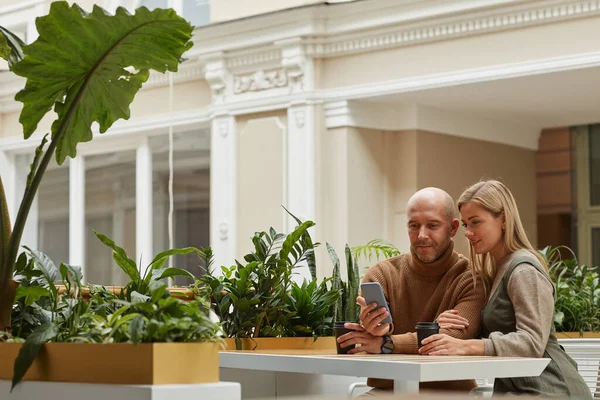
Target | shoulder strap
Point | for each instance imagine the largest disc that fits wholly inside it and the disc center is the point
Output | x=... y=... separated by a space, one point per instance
x=526 y=258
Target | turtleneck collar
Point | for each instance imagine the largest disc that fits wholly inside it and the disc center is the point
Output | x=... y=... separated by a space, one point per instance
x=436 y=268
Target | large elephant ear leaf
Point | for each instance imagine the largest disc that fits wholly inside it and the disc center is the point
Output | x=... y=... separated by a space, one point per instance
x=89 y=67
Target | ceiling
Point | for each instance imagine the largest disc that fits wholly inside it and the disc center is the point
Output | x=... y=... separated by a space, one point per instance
x=544 y=100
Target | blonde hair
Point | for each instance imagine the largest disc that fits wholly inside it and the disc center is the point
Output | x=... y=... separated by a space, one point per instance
x=495 y=197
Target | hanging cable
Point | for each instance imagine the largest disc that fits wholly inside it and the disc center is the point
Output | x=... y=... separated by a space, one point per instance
x=170 y=217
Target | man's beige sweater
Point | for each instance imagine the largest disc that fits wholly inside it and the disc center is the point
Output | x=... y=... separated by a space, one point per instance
x=419 y=292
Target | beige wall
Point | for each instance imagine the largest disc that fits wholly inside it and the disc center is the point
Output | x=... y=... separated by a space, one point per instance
x=11 y=127
x=333 y=199
x=367 y=185
x=224 y=10
x=353 y=191
x=186 y=95
x=368 y=176
x=261 y=177
x=538 y=42
x=148 y=102
x=454 y=163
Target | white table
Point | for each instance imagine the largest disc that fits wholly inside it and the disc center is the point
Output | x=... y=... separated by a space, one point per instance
x=76 y=391
x=405 y=370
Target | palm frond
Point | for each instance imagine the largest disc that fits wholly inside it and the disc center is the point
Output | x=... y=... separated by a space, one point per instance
x=376 y=248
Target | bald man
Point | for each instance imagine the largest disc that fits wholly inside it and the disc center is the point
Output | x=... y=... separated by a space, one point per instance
x=431 y=283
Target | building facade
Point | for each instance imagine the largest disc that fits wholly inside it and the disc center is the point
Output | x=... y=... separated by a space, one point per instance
x=338 y=111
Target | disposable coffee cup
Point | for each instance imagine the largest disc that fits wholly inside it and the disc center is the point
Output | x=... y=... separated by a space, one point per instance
x=426 y=329
x=338 y=328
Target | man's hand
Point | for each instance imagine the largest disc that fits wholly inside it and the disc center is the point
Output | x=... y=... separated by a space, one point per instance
x=367 y=342
x=451 y=320
x=371 y=318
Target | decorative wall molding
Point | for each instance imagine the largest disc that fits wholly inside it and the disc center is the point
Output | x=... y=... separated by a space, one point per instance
x=188 y=71
x=260 y=80
x=243 y=74
x=370 y=25
x=496 y=20
x=124 y=134
x=223 y=230
x=245 y=59
x=300 y=118
x=223 y=128
x=368 y=115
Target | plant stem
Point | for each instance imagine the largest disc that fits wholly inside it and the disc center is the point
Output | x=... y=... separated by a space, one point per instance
x=28 y=196
x=7 y=298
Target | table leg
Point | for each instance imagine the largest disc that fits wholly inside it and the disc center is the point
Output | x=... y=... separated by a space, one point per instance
x=403 y=386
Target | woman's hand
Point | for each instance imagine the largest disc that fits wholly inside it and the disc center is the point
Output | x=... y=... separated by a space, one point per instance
x=445 y=345
x=450 y=319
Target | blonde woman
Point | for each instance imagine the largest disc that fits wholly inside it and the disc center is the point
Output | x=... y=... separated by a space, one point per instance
x=517 y=320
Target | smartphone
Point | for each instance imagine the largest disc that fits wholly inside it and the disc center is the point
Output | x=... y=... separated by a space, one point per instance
x=373 y=293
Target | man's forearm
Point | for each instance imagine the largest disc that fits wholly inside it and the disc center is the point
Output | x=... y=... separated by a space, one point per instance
x=405 y=343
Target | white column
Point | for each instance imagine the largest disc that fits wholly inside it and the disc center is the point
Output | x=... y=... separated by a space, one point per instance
x=302 y=159
x=118 y=227
x=77 y=212
x=30 y=232
x=223 y=182
x=301 y=170
x=143 y=204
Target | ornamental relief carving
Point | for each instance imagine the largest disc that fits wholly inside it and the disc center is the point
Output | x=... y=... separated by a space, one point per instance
x=266 y=80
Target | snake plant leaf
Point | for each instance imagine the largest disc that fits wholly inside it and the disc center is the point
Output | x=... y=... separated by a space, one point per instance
x=5 y=231
x=89 y=67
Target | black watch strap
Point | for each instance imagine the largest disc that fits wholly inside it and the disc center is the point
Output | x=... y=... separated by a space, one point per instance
x=388 y=345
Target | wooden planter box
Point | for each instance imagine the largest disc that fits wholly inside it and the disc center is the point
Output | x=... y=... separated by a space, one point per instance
x=577 y=335
x=288 y=343
x=120 y=364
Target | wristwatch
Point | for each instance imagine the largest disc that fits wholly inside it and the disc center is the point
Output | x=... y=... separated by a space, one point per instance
x=388 y=345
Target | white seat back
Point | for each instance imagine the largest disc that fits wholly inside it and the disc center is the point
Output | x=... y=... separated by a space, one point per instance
x=586 y=352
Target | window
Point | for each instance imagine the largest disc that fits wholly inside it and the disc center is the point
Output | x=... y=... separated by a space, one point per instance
x=110 y=210
x=191 y=183
x=596 y=246
x=588 y=194
x=53 y=213
x=152 y=4
x=196 y=11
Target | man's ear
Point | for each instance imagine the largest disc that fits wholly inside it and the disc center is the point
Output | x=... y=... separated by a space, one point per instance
x=454 y=227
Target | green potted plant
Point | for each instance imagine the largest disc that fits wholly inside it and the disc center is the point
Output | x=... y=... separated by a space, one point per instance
x=84 y=335
x=577 y=309
x=258 y=303
x=87 y=68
